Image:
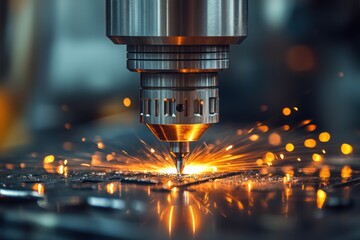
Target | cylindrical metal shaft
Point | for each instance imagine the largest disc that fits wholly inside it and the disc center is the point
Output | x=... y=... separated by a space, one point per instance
x=178 y=46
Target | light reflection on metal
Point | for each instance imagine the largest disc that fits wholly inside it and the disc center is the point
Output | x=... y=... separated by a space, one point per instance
x=346 y=172
x=320 y=198
x=170 y=219
x=39 y=188
x=193 y=220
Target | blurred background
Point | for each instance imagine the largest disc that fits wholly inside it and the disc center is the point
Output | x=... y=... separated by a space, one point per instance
x=58 y=70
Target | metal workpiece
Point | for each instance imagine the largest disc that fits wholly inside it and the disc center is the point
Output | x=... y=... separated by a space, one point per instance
x=174 y=22
x=178 y=47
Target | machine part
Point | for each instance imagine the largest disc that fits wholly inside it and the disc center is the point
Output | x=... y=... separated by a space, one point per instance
x=178 y=47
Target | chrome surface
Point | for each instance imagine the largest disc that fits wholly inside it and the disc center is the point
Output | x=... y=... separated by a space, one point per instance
x=178 y=47
x=179 y=151
x=178 y=58
x=173 y=22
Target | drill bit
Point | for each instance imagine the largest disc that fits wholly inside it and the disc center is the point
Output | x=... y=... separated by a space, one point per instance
x=179 y=151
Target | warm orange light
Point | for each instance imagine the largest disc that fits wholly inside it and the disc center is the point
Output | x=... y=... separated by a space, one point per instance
x=346 y=148
x=127 y=102
x=286 y=111
x=324 y=172
x=320 y=198
x=311 y=128
x=109 y=157
x=305 y=122
x=239 y=132
x=286 y=127
x=39 y=187
x=310 y=143
x=317 y=157
x=259 y=162
x=324 y=137
x=110 y=188
x=275 y=139
x=269 y=157
x=170 y=219
x=346 y=172
x=228 y=148
x=289 y=147
x=263 y=128
x=192 y=219
x=101 y=145
x=254 y=137
x=49 y=159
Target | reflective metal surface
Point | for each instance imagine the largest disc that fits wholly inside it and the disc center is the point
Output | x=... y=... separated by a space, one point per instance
x=167 y=38
x=172 y=22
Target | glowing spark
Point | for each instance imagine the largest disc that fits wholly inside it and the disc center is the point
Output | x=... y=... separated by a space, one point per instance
x=65 y=162
x=254 y=137
x=269 y=157
x=346 y=148
x=101 y=145
x=85 y=164
x=311 y=128
x=152 y=150
x=296 y=108
x=263 y=128
x=286 y=111
x=22 y=165
x=49 y=159
x=321 y=197
x=259 y=162
x=305 y=122
x=109 y=157
x=317 y=157
x=299 y=159
x=83 y=139
x=286 y=127
x=228 y=148
x=324 y=137
x=289 y=147
x=282 y=156
x=127 y=102
x=310 y=143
